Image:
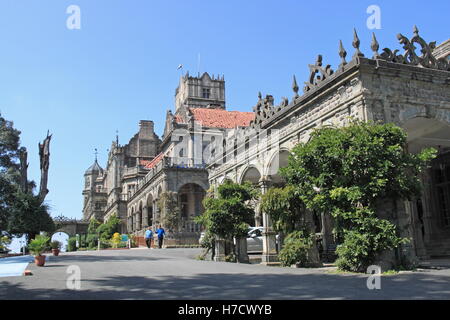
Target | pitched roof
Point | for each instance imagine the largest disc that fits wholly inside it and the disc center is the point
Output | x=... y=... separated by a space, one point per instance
x=152 y=163
x=94 y=168
x=218 y=118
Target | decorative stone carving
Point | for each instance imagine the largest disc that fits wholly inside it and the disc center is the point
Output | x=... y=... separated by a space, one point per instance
x=375 y=46
x=263 y=110
x=314 y=79
x=342 y=54
x=295 y=87
x=356 y=43
x=426 y=58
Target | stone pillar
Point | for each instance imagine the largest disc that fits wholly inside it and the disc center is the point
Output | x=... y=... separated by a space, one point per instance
x=155 y=212
x=145 y=217
x=241 y=248
x=220 y=250
x=138 y=222
x=269 y=255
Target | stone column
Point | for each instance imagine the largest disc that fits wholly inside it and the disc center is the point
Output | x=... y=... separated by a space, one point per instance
x=138 y=222
x=220 y=250
x=241 y=248
x=269 y=255
x=145 y=217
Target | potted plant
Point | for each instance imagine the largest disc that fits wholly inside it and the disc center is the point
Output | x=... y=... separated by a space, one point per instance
x=56 y=247
x=37 y=247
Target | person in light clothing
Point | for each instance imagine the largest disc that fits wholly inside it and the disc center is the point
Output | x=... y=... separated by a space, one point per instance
x=149 y=237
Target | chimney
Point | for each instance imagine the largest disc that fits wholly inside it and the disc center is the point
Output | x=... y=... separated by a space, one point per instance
x=146 y=128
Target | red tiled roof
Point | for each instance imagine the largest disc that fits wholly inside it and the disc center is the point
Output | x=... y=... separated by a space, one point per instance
x=218 y=118
x=144 y=162
x=150 y=164
x=178 y=119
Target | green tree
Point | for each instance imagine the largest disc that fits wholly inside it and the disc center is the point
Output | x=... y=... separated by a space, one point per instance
x=9 y=169
x=93 y=226
x=170 y=211
x=29 y=216
x=229 y=214
x=20 y=211
x=291 y=219
x=107 y=229
x=285 y=208
x=347 y=171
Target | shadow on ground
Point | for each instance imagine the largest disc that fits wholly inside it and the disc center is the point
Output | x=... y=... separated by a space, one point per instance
x=244 y=286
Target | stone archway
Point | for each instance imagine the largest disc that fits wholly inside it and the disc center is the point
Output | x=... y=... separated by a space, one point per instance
x=278 y=160
x=62 y=237
x=430 y=213
x=190 y=202
x=252 y=175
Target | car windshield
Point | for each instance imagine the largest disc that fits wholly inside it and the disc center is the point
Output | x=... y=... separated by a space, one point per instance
x=256 y=232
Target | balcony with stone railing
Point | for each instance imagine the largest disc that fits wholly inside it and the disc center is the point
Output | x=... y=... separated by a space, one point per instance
x=168 y=163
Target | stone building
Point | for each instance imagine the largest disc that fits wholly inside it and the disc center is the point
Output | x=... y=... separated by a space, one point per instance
x=411 y=90
x=106 y=190
x=139 y=173
x=204 y=144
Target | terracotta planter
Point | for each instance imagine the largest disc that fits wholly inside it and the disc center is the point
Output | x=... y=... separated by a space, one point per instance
x=39 y=261
x=55 y=252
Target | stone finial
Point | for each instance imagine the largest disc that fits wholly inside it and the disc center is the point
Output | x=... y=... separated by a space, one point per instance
x=416 y=31
x=317 y=74
x=342 y=54
x=259 y=95
x=295 y=87
x=375 y=46
x=356 y=43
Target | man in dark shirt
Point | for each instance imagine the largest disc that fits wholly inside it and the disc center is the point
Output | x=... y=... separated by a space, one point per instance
x=160 y=232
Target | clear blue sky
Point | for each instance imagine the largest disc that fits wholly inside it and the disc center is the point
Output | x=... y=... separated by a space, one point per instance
x=120 y=67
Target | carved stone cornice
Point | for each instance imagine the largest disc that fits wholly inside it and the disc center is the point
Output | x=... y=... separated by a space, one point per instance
x=425 y=59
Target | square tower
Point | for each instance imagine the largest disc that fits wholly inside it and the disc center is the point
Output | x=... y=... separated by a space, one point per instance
x=200 y=92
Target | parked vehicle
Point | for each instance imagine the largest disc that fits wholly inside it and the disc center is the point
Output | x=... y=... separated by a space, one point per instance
x=255 y=239
x=202 y=235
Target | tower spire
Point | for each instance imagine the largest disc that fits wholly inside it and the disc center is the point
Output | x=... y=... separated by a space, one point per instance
x=96 y=153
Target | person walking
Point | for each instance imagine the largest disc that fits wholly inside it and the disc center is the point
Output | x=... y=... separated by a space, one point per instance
x=160 y=232
x=149 y=237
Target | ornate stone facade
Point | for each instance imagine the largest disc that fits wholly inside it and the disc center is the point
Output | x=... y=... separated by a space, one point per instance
x=204 y=145
x=410 y=89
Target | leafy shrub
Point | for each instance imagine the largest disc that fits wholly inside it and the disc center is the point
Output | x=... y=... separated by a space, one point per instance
x=295 y=249
x=72 y=244
x=362 y=244
x=345 y=172
x=107 y=229
x=92 y=240
x=55 y=244
x=4 y=242
x=105 y=244
x=38 y=245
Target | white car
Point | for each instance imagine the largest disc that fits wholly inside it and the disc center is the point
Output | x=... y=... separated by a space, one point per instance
x=255 y=239
x=202 y=235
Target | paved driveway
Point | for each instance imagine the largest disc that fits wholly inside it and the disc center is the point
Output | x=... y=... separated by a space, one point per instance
x=175 y=274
